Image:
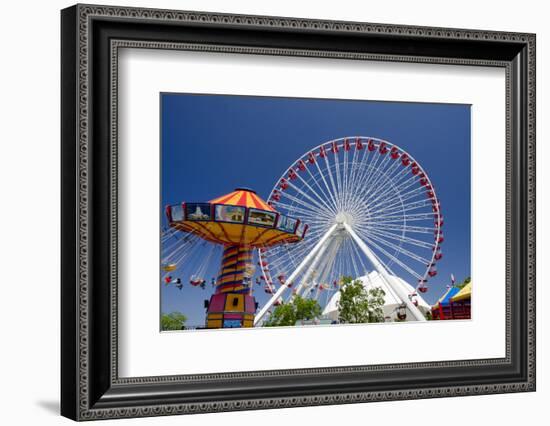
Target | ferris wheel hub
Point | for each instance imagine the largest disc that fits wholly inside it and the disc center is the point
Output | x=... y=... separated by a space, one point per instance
x=344 y=217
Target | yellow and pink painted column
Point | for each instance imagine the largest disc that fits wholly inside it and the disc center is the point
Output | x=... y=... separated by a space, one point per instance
x=232 y=305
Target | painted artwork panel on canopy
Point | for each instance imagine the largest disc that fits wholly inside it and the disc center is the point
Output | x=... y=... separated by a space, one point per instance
x=261 y=217
x=286 y=224
x=197 y=211
x=232 y=214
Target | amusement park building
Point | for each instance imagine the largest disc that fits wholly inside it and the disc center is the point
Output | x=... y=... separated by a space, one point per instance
x=391 y=300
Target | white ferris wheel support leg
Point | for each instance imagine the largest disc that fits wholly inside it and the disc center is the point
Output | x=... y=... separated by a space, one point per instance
x=312 y=267
x=293 y=276
x=382 y=271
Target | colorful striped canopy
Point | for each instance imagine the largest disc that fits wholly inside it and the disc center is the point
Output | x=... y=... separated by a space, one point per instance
x=445 y=299
x=240 y=218
x=464 y=294
x=243 y=197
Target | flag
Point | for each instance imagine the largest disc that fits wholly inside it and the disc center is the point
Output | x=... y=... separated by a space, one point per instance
x=452 y=279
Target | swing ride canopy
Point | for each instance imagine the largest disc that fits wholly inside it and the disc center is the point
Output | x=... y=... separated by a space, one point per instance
x=238 y=218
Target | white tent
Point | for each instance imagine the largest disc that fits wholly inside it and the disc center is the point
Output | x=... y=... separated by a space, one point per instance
x=392 y=302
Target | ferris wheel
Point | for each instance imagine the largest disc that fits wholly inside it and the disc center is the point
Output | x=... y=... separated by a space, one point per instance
x=369 y=206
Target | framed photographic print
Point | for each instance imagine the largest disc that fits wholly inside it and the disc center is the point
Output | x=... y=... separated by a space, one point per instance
x=264 y=212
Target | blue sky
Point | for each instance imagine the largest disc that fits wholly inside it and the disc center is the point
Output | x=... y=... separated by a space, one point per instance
x=212 y=144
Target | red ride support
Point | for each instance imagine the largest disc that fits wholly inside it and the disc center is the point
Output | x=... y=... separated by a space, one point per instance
x=232 y=305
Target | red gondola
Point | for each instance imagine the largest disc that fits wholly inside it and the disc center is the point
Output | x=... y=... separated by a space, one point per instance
x=415 y=169
x=394 y=153
x=358 y=144
x=346 y=145
x=311 y=158
x=283 y=184
x=423 y=289
x=405 y=160
x=383 y=149
x=301 y=165
x=292 y=174
x=334 y=147
x=371 y=146
x=322 y=152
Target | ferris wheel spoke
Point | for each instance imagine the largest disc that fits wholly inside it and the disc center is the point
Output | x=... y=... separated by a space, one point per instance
x=397 y=248
x=352 y=257
x=350 y=180
x=367 y=191
x=314 y=202
x=407 y=240
x=337 y=173
x=398 y=187
x=405 y=194
x=370 y=160
x=403 y=212
x=407 y=228
x=390 y=218
x=328 y=171
x=321 y=199
x=289 y=258
x=346 y=177
x=389 y=205
x=402 y=178
x=410 y=209
x=374 y=177
x=362 y=183
x=291 y=209
x=407 y=206
x=361 y=259
x=387 y=190
x=303 y=204
x=391 y=257
x=376 y=186
x=331 y=194
x=326 y=194
x=406 y=189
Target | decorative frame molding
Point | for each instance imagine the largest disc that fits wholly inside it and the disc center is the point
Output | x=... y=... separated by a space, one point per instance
x=91 y=37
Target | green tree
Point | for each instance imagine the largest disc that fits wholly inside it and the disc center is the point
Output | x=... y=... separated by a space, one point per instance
x=173 y=321
x=358 y=305
x=297 y=309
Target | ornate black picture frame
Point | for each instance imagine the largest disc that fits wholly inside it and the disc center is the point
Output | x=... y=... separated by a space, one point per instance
x=91 y=37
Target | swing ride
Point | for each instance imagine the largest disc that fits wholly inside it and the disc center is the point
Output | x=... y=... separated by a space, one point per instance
x=239 y=222
x=372 y=214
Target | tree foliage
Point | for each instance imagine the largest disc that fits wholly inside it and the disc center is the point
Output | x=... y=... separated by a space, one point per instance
x=358 y=305
x=172 y=321
x=297 y=309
